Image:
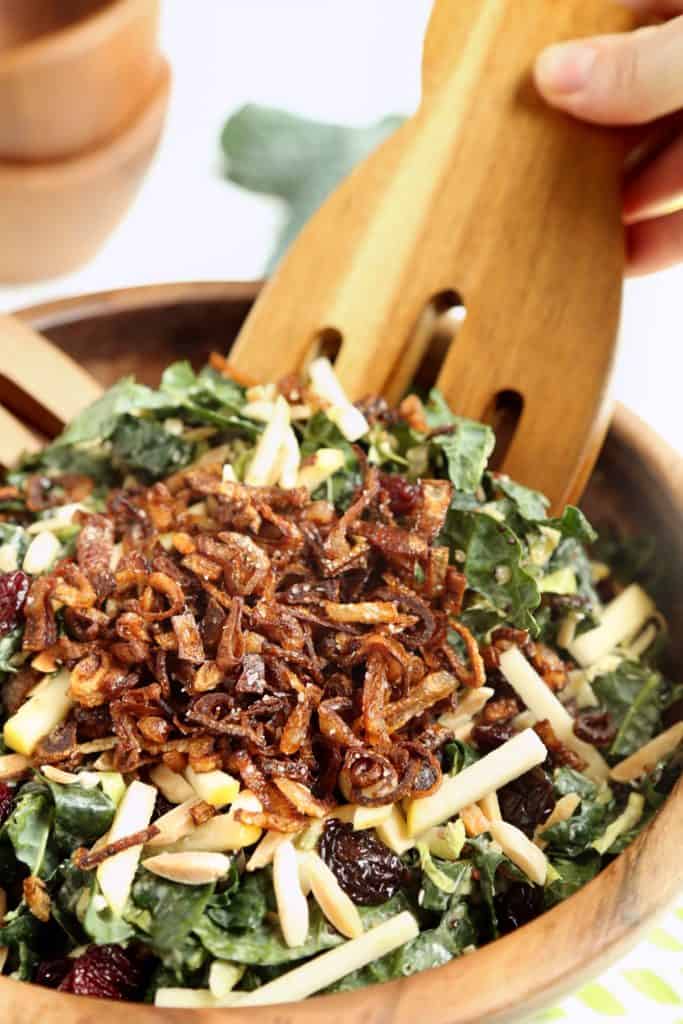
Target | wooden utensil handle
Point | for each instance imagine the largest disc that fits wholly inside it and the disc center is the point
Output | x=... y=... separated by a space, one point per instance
x=38 y=381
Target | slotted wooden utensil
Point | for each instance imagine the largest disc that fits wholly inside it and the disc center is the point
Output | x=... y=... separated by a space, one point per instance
x=41 y=389
x=488 y=194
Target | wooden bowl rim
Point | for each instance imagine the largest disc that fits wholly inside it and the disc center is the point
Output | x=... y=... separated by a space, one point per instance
x=80 y=35
x=568 y=944
x=53 y=174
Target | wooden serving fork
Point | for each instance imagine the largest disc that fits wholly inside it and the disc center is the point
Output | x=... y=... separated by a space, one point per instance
x=488 y=195
x=484 y=194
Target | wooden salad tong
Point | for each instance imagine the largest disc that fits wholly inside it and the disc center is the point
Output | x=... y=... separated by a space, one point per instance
x=485 y=197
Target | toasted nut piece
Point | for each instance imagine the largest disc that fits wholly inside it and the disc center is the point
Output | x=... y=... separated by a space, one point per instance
x=88 y=780
x=302 y=798
x=265 y=851
x=490 y=808
x=474 y=820
x=292 y=906
x=194 y=868
x=175 y=824
x=13 y=766
x=36 y=897
x=171 y=785
x=339 y=910
x=563 y=809
x=645 y=759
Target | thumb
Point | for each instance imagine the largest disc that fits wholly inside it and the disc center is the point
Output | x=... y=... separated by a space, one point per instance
x=619 y=79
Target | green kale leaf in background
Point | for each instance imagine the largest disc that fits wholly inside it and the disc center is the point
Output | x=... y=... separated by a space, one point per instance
x=301 y=161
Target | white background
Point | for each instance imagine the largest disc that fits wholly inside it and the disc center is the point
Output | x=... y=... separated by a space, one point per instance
x=352 y=60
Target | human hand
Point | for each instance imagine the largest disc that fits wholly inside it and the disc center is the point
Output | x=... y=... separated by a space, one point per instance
x=631 y=79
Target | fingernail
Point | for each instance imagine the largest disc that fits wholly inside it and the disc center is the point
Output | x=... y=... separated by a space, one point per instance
x=565 y=68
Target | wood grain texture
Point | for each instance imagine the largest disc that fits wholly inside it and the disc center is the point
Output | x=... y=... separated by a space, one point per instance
x=486 y=192
x=55 y=215
x=638 y=483
x=73 y=73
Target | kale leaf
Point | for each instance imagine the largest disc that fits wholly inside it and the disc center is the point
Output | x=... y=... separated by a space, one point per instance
x=81 y=815
x=631 y=695
x=99 y=421
x=28 y=828
x=10 y=644
x=264 y=944
x=173 y=910
x=458 y=755
x=494 y=565
x=145 y=446
x=489 y=860
x=574 y=836
x=243 y=907
x=574 y=874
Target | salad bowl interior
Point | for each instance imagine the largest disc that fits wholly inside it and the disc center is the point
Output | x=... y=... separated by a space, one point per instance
x=637 y=487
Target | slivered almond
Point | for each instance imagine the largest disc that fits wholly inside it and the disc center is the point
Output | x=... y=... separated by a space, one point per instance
x=95 y=746
x=292 y=905
x=474 y=820
x=88 y=780
x=45 y=662
x=647 y=758
x=302 y=798
x=13 y=766
x=172 y=785
x=105 y=762
x=175 y=824
x=265 y=851
x=520 y=850
x=563 y=809
x=337 y=907
x=490 y=807
x=189 y=868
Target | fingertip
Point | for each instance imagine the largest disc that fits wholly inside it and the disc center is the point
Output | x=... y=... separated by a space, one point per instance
x=563 y=70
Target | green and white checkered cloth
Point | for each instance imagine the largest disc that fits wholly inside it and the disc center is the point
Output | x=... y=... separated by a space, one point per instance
x=645 y=987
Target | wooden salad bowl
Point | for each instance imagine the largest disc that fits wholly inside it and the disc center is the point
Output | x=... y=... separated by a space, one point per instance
x=638 y=484
x=73 y=73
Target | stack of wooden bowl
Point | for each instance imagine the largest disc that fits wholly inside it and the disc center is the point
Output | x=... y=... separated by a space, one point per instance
x=83 y=96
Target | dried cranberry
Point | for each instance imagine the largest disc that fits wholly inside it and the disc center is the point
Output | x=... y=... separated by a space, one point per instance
x=595 y=727
x=520 y=904
x=367 y=870
x=51 y=973
x=404 y=497
x=527 y=801
x=488 y=736
x=106 y=972
x=13 y=591
x=6 y=798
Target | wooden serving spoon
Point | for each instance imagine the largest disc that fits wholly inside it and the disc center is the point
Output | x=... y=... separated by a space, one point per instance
x=488 y=195
x=41 y=389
